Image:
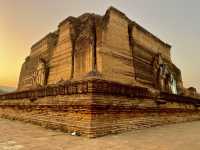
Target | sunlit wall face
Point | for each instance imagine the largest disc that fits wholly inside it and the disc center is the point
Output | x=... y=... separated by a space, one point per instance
x=23 y=22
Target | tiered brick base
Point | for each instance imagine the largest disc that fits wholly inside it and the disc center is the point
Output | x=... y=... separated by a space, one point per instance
x=95 y=108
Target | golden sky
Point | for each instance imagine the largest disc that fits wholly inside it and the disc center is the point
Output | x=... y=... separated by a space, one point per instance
x=23 y=22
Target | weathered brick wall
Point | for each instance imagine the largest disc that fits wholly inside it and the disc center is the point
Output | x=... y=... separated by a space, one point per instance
x=112 y=46
x=66 y=113
x=97 y=119
x=42 y=49
x=112 y=114
x=150 y=42
x=117 y=122
x=114 y=56
x=61 y=61
x=97 y=107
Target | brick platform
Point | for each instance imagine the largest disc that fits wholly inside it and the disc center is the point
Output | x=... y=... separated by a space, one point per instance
x=95 y=107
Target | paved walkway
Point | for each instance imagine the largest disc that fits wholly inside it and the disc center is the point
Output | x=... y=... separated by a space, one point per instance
x=15 y=135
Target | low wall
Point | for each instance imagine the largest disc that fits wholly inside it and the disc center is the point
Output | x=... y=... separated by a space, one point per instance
x=96 y=107
x=66 y=113
x=112 y=114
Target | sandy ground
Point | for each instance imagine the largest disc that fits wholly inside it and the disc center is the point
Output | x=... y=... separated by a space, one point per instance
x=16 y=135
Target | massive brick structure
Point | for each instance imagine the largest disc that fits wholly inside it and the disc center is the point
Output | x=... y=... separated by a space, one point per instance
x=110 y=47
x=98 y=75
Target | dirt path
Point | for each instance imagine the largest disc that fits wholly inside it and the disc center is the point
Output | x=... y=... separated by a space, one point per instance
x=15 y=135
